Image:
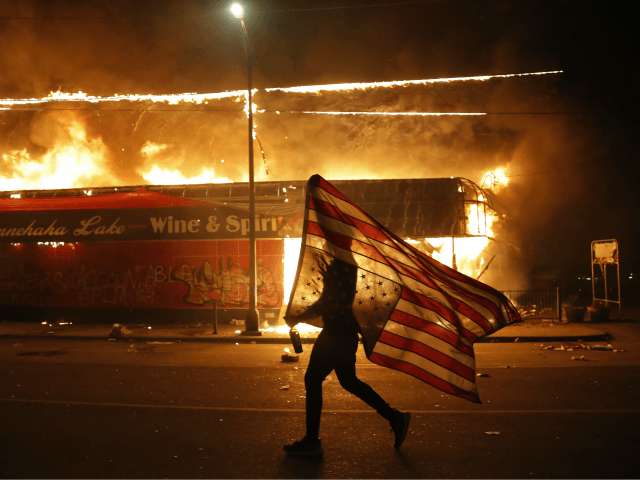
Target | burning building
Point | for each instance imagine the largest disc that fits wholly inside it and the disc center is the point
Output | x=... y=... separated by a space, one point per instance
x=172 y=254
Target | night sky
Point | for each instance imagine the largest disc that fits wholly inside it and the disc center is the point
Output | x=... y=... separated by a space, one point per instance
x=565 y=139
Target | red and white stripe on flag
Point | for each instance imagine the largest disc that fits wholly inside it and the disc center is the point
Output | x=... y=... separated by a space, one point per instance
x=416 y=315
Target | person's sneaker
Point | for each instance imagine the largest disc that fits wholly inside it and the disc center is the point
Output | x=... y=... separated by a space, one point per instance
x=400 y=427
x=304 y=448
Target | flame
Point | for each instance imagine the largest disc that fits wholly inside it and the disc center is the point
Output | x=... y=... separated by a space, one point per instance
x=161 y=176
x=467 y=250
x=480 y=219
x=158 y=175
x=150 y=148
x=353 y=86
x=199 y=98
x=291 y=255
x=77 y=162
x=172 y=99
x=302 y=328
x=72 y=160
x=495 y=180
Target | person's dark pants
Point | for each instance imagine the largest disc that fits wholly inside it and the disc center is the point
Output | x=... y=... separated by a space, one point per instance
x=337 y=352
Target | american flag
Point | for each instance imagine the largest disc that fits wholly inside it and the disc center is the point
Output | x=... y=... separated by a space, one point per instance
x=416 y=315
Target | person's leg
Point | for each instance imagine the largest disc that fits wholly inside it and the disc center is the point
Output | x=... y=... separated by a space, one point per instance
x=318 y=369
x=346 y=373
x=320 y=365
x=316 y=373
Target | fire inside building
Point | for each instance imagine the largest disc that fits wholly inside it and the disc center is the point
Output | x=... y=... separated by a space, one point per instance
x=180 y=254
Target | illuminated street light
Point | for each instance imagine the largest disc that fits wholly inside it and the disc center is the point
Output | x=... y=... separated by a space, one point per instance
x=237 y=10
x=252 y=323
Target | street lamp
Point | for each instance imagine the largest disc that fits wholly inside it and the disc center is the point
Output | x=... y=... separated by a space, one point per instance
x=252 y=323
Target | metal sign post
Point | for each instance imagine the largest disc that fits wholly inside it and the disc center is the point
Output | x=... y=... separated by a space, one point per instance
x=603 y=253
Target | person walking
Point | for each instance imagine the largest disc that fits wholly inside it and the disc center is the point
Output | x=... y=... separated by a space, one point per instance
x=335 y=350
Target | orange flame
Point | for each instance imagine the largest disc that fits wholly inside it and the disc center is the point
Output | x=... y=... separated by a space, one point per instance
x=495 y=180
x=157 y=175
x=72 y=160
x=353 y=86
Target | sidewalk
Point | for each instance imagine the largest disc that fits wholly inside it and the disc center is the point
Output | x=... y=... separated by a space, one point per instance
x=526 y=331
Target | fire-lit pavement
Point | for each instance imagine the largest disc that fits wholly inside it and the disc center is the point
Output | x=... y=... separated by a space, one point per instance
x=78 y=408
x=532 y=330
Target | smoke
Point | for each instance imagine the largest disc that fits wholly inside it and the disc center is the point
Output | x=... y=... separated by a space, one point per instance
x=197 y=47
x=122 y=48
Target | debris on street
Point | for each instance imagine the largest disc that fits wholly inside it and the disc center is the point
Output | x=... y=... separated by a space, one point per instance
x=576 y=357
x=287 y=356
x=492 y=433
x=284 y=387
x=119 y=330
x=581 y=346
x=482 y=375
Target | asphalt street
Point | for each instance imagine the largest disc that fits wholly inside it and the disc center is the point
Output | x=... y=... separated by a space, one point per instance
x=119 y=409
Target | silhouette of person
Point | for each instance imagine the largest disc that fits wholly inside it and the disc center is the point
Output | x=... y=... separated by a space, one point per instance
x=335 y=350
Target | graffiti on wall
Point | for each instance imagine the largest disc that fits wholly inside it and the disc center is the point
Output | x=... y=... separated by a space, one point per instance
x=134 y=286
x=140 y=274
x=88 y=287
x=228 y=286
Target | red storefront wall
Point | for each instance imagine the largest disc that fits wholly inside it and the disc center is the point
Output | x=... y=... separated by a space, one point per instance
x=149 y=275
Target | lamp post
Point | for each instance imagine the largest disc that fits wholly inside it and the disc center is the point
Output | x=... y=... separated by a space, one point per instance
x=252 y=323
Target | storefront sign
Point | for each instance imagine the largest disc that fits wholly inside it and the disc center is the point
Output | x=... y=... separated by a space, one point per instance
x=108 y=225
